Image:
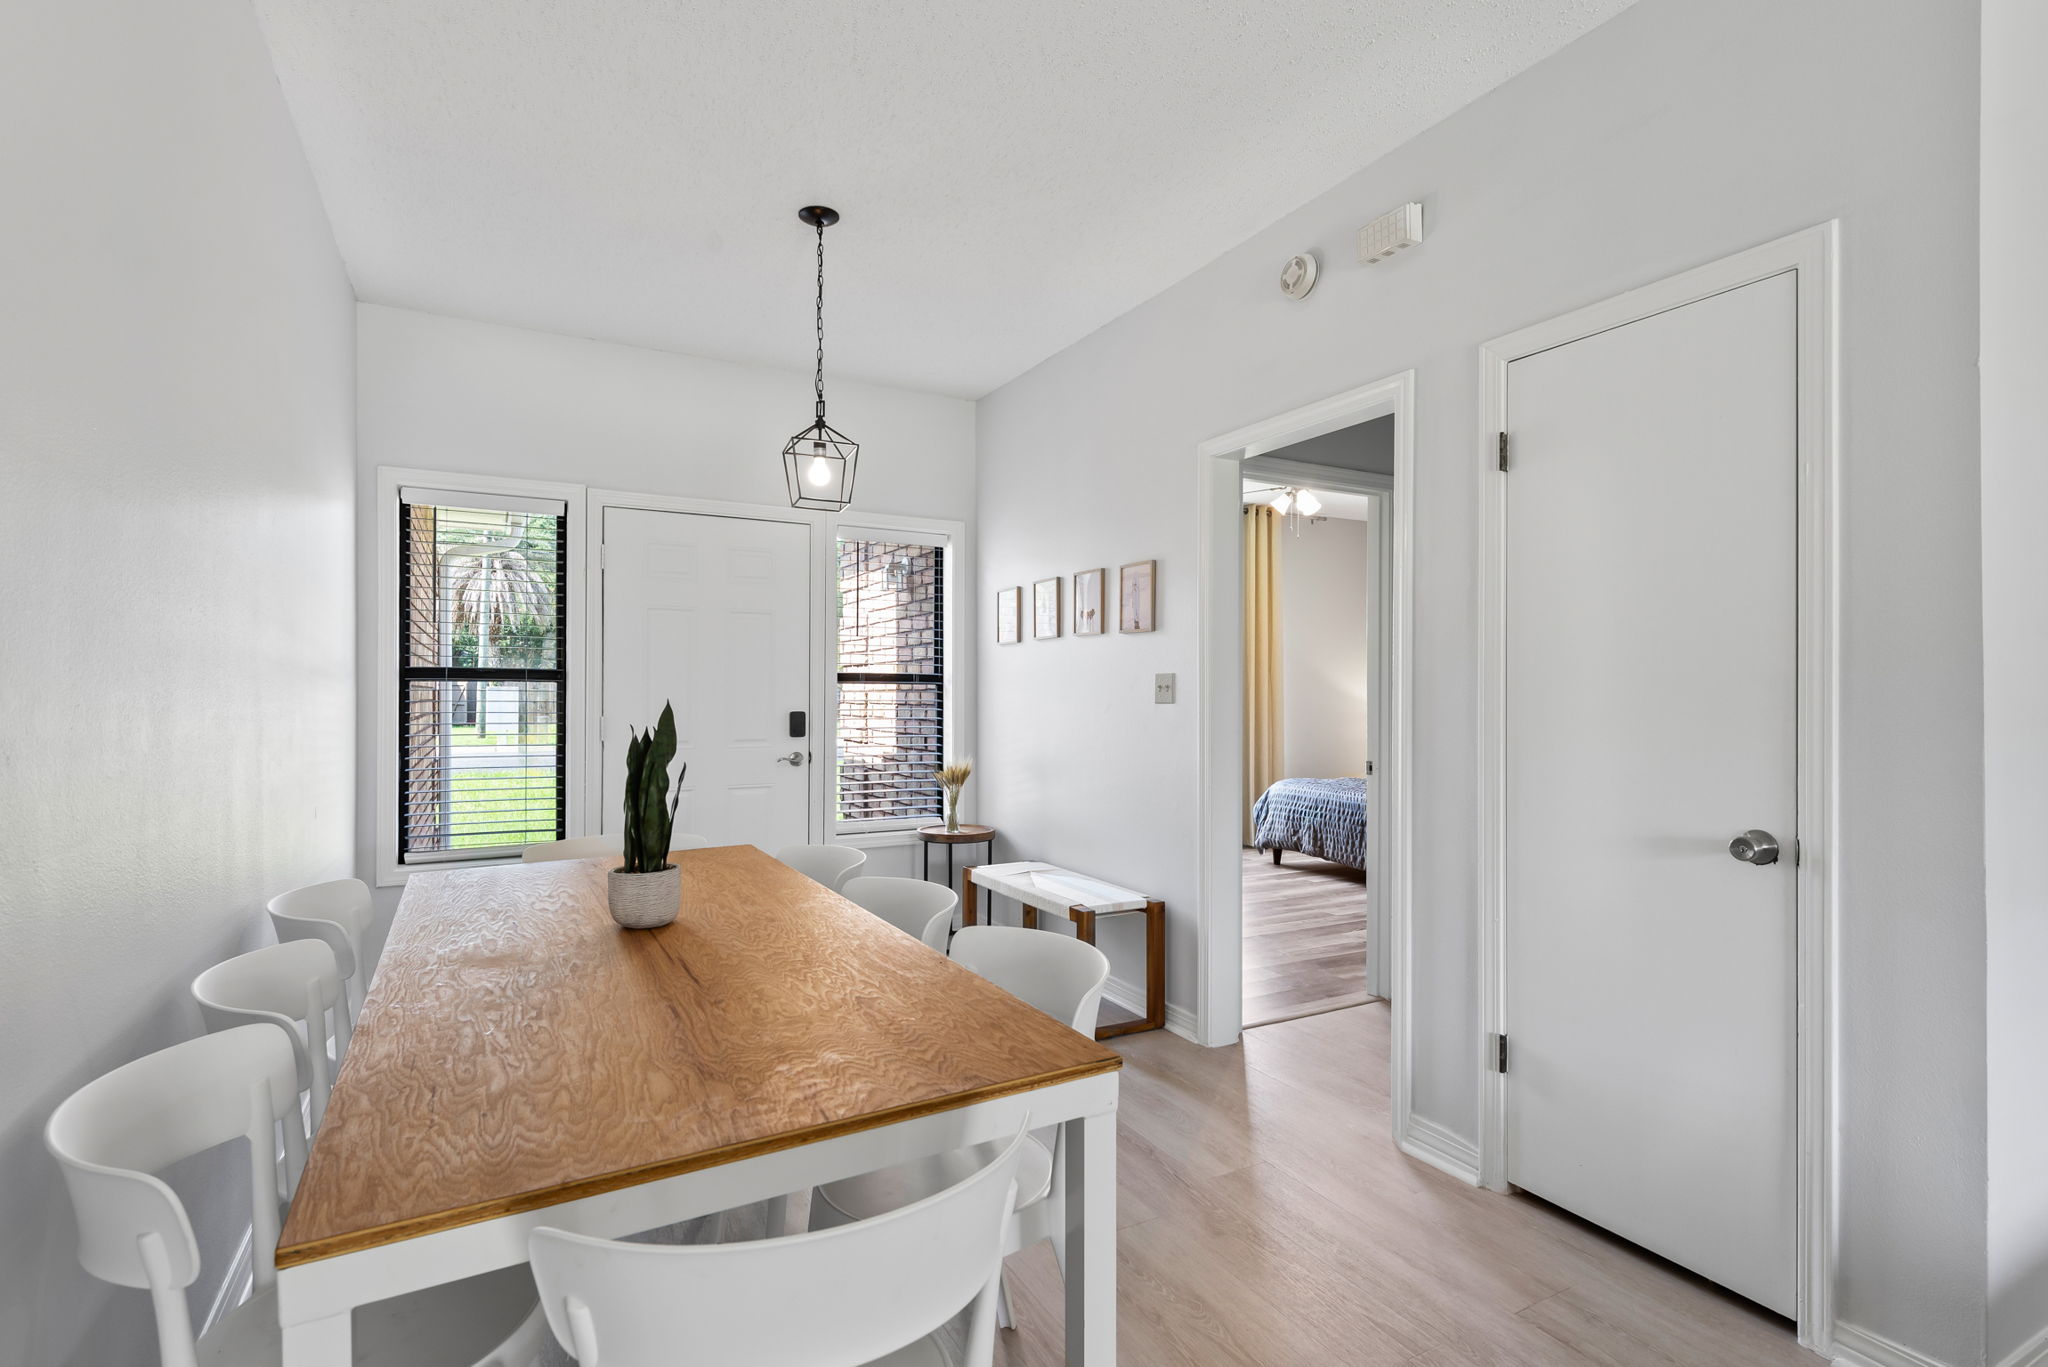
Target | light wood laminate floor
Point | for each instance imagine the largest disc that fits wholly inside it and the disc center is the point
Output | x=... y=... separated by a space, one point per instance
x=1304 y=937
x=1267 y=1220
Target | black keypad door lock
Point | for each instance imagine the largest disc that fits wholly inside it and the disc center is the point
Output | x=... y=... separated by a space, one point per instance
x=797 y=725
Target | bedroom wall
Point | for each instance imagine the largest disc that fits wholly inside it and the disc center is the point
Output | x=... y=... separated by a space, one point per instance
x=1677 y=133
x=175 y=430
x=1325 y=599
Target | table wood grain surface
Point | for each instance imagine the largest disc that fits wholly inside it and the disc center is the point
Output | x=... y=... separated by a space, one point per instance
x=518 y=1049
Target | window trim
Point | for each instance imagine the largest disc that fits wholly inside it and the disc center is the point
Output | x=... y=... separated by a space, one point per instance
x=953 y=622
x=389 y=872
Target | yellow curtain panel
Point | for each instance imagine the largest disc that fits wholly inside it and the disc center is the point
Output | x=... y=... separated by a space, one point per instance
x=1262 y=720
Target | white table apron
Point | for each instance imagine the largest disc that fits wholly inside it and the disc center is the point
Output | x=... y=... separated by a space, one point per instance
x=315 y=1299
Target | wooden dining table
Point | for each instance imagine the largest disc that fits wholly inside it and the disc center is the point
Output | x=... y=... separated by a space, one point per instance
x=522 y=1062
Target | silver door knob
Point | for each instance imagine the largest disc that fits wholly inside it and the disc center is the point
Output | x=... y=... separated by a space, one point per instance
x=1755 y=847
x=792 y=759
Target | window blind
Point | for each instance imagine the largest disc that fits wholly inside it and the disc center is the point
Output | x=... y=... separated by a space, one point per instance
x=892 y=685
x=482 y=675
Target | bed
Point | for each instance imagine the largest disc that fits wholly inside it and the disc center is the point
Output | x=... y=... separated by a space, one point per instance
x=1324 y=817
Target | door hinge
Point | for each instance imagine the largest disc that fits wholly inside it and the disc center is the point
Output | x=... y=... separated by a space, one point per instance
x=1500 y=1053
x=1368 y=768
x=1503 y=453
x=603 y=555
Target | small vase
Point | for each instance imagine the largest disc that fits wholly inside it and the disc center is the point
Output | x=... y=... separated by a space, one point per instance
x=642 y=901
x=953 y=812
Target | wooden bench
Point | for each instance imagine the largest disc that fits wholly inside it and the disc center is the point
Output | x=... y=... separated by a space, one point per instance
x=1079 y=898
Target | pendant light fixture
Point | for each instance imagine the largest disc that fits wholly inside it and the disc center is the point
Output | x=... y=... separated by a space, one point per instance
x=818 y=461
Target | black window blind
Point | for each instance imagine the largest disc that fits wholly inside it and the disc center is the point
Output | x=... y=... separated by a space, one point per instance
x=482 y=748
x=892 y=684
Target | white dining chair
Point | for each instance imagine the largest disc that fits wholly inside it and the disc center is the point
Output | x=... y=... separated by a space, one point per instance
x=338 y=912
x=912 y=905
x=114 y=1134
x=831 y=865
x=1062 y=977
x=870 y=1293
x=598 y=847
x=294 y=985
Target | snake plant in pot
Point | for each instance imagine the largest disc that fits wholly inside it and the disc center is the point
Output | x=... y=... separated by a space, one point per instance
x=646 y=890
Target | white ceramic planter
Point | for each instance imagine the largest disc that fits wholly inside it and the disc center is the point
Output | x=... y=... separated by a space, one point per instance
x=642 y=901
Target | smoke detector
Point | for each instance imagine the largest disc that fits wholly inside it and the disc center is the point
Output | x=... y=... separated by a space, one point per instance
x=1298 y=276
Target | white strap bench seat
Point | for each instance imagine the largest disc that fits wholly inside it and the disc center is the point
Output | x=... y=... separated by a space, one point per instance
x=1079 y=898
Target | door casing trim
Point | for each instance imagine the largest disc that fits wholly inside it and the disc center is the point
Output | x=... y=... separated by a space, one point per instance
x=1219 y=494
x=1813 y=256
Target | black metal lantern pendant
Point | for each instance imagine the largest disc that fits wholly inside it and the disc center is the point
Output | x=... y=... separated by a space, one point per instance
x=818 y=461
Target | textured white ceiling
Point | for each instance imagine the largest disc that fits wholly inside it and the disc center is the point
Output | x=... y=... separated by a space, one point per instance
x=1014 y=173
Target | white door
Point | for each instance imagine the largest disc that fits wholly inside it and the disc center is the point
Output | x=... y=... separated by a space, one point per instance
x=1651 y=692
x=713 y=615
x=1379 y=728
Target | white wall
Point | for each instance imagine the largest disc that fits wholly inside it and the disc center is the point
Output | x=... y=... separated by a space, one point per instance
x=448 y=394
x=2014 y=359
x=175 y=415
x=1680 y=132
x=1325 y=605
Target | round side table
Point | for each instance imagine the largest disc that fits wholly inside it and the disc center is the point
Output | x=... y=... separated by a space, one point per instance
x=968 y=834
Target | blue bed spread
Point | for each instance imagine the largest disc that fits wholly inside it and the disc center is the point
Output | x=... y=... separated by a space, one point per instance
x=1324 y=817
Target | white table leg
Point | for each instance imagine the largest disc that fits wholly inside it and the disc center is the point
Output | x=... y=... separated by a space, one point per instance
x=1091 y=1240
x=320 y=1343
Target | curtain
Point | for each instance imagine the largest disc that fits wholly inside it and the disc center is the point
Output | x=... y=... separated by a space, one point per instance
x=1262 y=719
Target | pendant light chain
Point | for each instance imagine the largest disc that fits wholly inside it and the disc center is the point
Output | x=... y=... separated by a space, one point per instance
x=819 y=379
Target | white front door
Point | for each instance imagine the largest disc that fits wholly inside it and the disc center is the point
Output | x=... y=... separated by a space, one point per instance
x=1651 y=693
x=712 y=614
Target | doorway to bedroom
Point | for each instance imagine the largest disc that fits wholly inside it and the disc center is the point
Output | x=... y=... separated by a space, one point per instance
x=1312 y=611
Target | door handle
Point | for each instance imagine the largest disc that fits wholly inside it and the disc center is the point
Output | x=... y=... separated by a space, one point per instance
x=793 y=759
x=1755 y=847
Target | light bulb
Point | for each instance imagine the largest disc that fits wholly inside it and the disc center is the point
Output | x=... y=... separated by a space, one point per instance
x=1307 y=504
x=1283 y=500
x=819 y=472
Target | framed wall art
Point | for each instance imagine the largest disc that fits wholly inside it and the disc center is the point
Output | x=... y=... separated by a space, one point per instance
x=1088 y=602
x=1009 y=616
x=1045 y=609
x=1137 y=596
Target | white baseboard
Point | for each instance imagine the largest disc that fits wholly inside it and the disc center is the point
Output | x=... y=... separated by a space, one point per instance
x=1431 y=1143
x=2032 y=1353
x=234 y=1287
x=1131 y=998
x=1856 y=1347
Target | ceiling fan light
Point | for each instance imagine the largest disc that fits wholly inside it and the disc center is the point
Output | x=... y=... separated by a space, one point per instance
x=1307 y=504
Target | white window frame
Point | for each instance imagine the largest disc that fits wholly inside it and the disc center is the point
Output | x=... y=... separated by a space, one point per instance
x=956 y=622
x=390 y=479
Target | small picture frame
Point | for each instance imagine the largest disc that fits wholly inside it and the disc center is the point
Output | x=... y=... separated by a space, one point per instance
x=1045 y=608
x=1088 y=602
x=1136 y=596
x=1009 y=616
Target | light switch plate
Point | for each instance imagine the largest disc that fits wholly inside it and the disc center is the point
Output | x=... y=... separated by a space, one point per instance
x=1162 y=688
